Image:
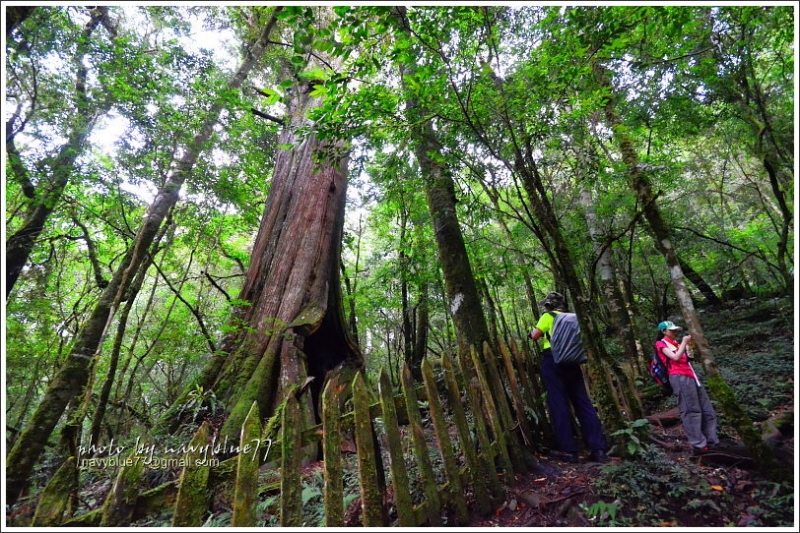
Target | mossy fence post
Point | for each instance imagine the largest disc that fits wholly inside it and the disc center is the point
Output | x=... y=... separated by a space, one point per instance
x=482 y=437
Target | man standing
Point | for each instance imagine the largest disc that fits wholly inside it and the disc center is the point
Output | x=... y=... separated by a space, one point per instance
x=565 y=386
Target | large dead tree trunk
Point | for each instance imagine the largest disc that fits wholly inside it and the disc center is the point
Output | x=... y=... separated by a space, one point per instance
x=74 y=373
x=293 y=325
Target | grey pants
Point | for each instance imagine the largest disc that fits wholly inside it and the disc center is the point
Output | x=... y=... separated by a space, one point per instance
x=697 y=413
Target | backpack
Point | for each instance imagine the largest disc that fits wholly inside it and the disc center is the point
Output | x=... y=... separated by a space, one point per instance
x=565 y=339
x=659 y=372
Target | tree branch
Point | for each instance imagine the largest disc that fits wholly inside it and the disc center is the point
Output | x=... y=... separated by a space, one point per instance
x=194 y=311
x=261 y=114
x=98 y=271
x=214 y=283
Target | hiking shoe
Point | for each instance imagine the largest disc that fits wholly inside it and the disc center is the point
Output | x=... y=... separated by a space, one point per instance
x=571 y=458
x=599 y=456
x=700 y=451
x=564 y=457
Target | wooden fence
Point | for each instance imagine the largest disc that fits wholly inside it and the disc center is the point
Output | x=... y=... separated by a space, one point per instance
x=475 y=430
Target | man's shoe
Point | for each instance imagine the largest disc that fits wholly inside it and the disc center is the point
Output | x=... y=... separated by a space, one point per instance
x=571 y=458
x=566 y=457
x=599 y=456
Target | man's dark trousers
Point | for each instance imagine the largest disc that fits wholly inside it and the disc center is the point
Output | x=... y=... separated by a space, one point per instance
x=565 y=385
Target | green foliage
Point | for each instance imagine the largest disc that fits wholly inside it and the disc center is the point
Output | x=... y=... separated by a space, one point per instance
x=602 y=512
x=775 y=506
x=656 y=491
x=631 y=441
x=501 y=85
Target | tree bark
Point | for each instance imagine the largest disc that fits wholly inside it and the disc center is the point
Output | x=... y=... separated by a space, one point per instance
x=293 y=324
x=462 y=293
x=74 y=373
x=698 y=281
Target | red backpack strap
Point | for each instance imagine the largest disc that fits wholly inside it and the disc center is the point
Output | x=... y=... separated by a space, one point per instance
x=659 y=345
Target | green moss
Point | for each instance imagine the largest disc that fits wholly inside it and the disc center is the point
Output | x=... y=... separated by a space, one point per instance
x=291 y=499
x=734 y=414
x=58 y=496
x=332 y=451
x=400 y=481
x=119 y=505
x=193 y=492
x=246 y=491
x=371 y=498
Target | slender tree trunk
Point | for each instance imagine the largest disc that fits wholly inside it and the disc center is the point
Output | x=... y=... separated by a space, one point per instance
x=20 y=245
x=74 y=373
x=564 y=269
x=111 y=373
x=421 y=330
x=613 y=300
x=352 y=287
x=407 y=312
x=462 y=293
x=786 y=221
x=698 y=281
x=719 y=388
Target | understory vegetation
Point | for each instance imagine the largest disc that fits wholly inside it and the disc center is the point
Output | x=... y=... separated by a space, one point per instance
x=210 y=207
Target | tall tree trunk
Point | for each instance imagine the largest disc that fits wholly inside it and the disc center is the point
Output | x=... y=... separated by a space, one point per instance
x=698 y=281
x=111 y=373
x=21 y=243
x=612 y=298
x=74 y=373
x=352 y=287
x=293 y=325
x=421 y=332
x=719 y=388
x=461 y=290
x=406 y=310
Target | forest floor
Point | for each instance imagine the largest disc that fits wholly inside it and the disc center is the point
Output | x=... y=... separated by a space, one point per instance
x=653 y=479
x=661 y=483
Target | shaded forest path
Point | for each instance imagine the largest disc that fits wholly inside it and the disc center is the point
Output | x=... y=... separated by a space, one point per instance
x=666 y=485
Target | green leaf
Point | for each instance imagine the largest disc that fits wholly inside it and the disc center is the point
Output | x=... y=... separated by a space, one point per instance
x=273 y=97
x=318 y=91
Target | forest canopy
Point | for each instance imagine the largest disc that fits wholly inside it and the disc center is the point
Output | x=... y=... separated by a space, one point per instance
x=206 y=205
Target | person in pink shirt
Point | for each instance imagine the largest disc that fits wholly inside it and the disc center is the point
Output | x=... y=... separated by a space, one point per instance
x=697 y=414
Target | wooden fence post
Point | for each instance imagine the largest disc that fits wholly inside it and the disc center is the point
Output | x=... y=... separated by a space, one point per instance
x=332 y=454
x=519 y=405
x=498 y=390
x=192 y=500
x=371 y=498
x=245 y=495
x=421 y=448
x=498 y=427
x=291 y=488
x=476 y=469
x=456 y=490
x=400 y=484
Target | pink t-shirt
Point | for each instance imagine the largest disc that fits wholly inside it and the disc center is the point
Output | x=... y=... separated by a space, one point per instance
x=681 y=367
